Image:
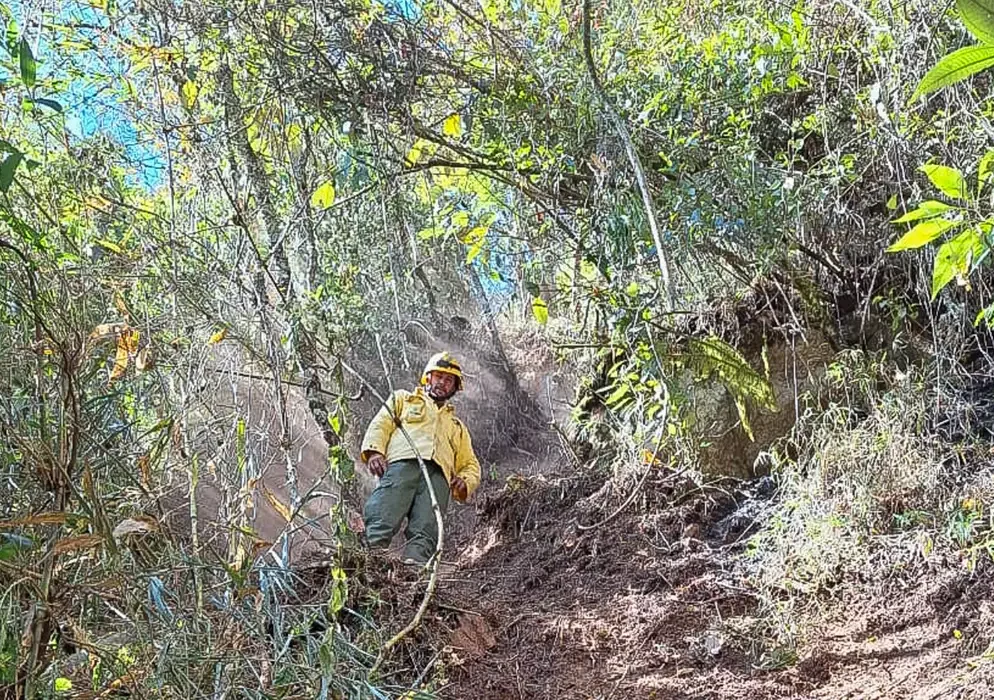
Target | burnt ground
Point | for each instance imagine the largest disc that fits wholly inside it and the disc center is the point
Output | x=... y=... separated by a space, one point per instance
x=656 y=603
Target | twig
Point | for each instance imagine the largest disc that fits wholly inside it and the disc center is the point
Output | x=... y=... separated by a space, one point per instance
x=453 y=608
x=437 y=556
x=638 y=486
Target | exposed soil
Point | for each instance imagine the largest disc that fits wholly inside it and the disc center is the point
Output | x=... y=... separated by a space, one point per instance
x=655 y=604
x=543 y=595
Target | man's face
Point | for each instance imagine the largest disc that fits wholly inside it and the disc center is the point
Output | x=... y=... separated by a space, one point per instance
x=441 y=385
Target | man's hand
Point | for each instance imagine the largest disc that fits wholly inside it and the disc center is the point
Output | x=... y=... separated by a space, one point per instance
x=459 y=489
x=377 y=464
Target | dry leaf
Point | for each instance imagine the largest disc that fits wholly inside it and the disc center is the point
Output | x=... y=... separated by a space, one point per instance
x=128 y=680
x=105 y=330
x=131 y=338
x=134 y=526
x=121 y=306
x=120 y=359
x=277 y=504
x=52 y=518
x=144 y=466
x=258 y=546
x=87 y=481
x=144 y=360
x=75 y=544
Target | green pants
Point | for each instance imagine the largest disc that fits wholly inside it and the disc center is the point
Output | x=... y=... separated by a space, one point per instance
x=402 y=492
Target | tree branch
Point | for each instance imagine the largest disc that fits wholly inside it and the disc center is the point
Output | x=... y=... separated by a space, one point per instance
x=619 y=124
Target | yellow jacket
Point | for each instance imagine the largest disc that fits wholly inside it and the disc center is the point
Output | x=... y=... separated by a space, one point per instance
x=436 y=432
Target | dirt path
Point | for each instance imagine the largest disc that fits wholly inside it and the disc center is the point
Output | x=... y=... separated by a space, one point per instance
x=657 y=602
x=654 y=604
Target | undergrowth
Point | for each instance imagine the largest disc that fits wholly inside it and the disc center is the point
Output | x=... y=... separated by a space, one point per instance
x=872 y=485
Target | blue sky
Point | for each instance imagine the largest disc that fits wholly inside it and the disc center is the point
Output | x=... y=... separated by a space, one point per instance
x=91 y=81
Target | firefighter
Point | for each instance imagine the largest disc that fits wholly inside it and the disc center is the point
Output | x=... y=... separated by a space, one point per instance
x=440 y=439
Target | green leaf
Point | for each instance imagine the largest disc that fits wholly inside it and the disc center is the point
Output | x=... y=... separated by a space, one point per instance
x=955 y=67
x=955 y=258
x=188 y=94
x=950 y=181
x=336 y=423
x=427 y=234
x=27 y=233
x=620 y=392
x=63 y=685
x=714 y=355
x=452 y=126
x=474 y=252
x=326 y=657
x=892 y=202
x=11 y=34
x=324 y=196
x=922 y=234
x=51 y=104
x=7 y=170
x=339 y=591
x=740 y=407
x=984 y=170
x=978 y=16
x=540 y=310
x=29 y=67
x=985 y=314
x=925 y=210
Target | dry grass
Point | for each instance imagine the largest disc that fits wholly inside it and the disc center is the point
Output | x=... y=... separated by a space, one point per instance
x=873 y=491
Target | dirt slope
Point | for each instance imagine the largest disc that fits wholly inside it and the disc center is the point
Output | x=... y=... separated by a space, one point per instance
x=541 y=599
x=655 y=604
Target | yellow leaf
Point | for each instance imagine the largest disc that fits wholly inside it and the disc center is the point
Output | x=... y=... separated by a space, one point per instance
x=324 y=196
x=452 y=126
x=280 y=507
x=113 y=247
x=475 y=235
x=540 y=310
x=218 y=337
x=120 y=358
x=188 y=94
x=413 y=155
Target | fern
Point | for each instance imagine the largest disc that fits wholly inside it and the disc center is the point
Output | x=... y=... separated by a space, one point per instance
x=712 y=355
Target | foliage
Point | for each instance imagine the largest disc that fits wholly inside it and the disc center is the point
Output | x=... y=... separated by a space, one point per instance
x=200 y=202
x=978 y=16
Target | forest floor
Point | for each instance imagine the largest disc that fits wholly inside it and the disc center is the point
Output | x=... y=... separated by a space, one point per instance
x=538 y=600
x=549 y=590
